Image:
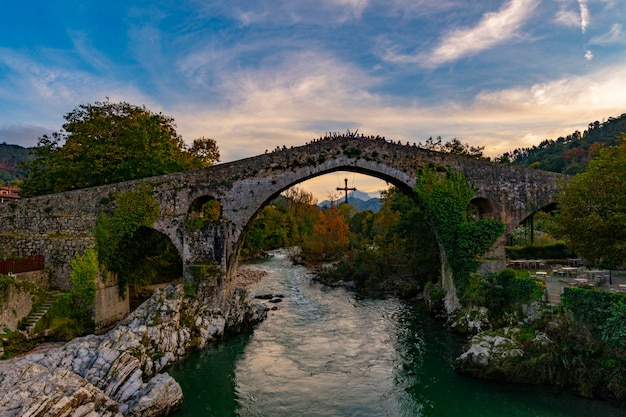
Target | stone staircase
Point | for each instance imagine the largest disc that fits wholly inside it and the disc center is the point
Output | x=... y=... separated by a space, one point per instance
x=34 y=317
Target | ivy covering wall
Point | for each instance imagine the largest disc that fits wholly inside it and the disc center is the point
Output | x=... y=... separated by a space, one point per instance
x=114 y=244
x=445 y=196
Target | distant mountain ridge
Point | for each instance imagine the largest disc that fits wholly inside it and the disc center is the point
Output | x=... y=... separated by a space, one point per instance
x=10 y=158
x=360 y=200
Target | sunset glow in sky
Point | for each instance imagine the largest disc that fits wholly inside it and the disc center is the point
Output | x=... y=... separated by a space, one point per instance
x=259 y=74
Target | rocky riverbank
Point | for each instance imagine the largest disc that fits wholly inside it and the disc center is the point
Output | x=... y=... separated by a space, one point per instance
x=121 y=373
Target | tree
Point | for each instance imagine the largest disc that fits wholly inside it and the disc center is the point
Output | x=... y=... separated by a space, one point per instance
x=591 y=217
x=107 y=142
x=453 y=146
x=84 y=274
x=205 y=149
x=302 y=205
x=274 y=227
x=330 y=240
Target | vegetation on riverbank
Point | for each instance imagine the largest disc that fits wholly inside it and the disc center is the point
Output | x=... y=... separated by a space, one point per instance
x=579 y=347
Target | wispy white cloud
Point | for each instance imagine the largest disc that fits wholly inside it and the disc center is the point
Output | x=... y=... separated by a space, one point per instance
x=349 y=8
x=568 y=17
x=38 y=87
x=614 y=35
x=300 y=99
x=273 y=12
x=88 y=54
x=416 y=8
x=584 y=15
x=494 y=28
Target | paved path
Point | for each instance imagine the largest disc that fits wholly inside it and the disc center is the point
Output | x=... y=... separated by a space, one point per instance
x=556 y=284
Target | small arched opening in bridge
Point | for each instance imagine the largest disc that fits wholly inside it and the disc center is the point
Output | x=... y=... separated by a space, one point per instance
x=392 y=245
x=534 y=229
x=480 y=208
x=153 y=261
x=204 y=209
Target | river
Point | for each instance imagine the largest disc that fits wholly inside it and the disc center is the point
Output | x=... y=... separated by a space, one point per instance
x=328 y=352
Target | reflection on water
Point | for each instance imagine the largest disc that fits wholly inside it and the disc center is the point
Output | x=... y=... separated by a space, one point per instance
x=327 y=352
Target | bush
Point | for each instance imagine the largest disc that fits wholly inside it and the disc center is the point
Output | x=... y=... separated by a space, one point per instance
x=614 y=330
x=434 y=296
x=6 y=283
x=502 y=292
x=556 y=250
x=71 y=314
x=603 y=312
x=83 y=293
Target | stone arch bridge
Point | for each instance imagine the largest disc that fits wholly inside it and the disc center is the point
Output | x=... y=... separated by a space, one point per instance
x=59 y=226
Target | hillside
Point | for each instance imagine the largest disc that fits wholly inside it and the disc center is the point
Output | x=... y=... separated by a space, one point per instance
x=10 y=158
x=570 y=155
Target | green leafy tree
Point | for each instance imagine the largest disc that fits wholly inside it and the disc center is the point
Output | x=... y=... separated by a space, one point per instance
x=107 y=142
x=302 y=205
x=84 y=274
x=273 y=228
x=591 y=217
x=419 y=246
x=206 y=150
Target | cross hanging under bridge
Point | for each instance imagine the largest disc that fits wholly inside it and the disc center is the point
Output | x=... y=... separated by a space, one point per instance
x=345 y=189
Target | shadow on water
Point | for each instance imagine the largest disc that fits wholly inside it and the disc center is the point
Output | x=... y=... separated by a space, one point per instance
x=208 y=378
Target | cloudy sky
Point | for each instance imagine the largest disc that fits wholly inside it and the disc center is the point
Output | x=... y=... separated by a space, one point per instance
x=264 y=73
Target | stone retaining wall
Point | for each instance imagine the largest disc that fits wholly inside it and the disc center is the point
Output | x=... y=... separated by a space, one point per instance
x=110 y=306
x=15 y=307
x=39 y=278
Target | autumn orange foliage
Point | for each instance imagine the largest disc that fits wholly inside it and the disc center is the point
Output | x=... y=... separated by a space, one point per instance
x=330 y=238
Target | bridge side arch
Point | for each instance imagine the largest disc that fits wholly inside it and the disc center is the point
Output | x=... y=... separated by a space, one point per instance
x=543 y=205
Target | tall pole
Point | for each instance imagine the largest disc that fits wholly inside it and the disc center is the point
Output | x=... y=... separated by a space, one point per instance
x=345 y=189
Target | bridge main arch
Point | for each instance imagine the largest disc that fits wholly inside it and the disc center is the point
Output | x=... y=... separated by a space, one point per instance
x=503 y=192
x=248 y=196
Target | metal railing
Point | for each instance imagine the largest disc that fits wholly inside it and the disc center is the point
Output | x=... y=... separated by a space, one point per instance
x=15 y=266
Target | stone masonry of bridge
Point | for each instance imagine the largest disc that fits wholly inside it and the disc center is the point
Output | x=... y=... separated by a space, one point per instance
x=60 y=226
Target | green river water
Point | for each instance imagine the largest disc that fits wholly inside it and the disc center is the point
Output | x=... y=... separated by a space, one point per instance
x=328 y=352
